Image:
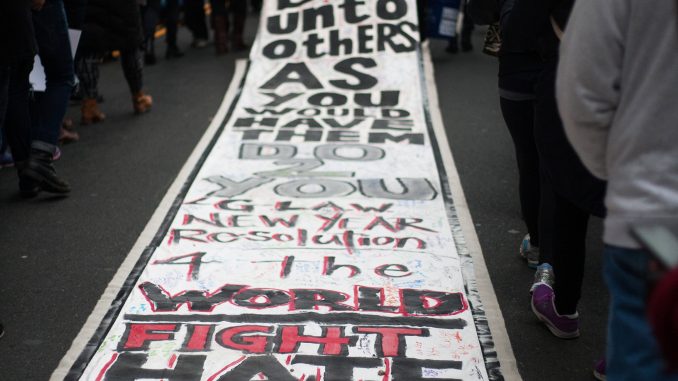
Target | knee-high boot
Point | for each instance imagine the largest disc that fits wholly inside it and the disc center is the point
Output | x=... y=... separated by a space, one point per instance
x=238 y=32
x=220 y=26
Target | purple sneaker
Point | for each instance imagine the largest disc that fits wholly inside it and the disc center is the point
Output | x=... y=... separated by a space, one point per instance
x=599 y=370
x=562 y=326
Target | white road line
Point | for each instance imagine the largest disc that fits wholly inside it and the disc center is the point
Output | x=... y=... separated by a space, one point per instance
x=94 y=320
x=494 y=316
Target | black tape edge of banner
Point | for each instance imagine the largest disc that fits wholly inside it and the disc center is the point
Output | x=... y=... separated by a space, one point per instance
x=114 y=310
x=468 y=273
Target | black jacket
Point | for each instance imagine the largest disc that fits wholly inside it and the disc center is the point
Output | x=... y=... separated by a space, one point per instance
x=111 y=25
x=519 y=60
x=17 y=38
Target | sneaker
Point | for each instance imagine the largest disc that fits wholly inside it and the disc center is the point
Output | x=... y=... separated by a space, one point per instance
x=562 y=326
x=529 y=252
x=599 y=370
x=543 y=275
x=68 y=136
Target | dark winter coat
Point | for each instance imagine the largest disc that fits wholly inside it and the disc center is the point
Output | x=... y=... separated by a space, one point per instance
x=111 y=25
x=519 y=60
x=17 y=38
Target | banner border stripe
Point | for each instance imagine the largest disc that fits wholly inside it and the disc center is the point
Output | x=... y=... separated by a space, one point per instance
x=477 y=281
x=110 y=304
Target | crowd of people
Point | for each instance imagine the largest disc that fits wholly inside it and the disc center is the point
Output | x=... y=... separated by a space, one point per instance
x=587 y=91
x=33 y=122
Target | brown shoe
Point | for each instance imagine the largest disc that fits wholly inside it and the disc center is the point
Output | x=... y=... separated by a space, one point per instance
x=142 y=103
x=68 y=124
x=90 y=112
x=68 y=136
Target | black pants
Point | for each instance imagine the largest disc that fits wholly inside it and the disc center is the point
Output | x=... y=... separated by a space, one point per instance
x=15 y=119
x=569 y=195
x=563 y=244
x=237 y=7
x=519 y=118
x=88 y=71
x=194 y=15
x=150 y=16
x=172 y=22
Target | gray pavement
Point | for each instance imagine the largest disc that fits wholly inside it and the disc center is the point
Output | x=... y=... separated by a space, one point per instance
x=58 y=255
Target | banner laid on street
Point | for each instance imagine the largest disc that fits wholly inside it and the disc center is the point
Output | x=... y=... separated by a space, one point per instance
x=317 y=240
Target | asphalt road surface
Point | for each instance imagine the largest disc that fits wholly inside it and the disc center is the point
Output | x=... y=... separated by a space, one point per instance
x=57 y=255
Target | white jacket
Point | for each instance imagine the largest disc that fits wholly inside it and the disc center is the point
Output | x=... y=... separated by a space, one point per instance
x=617 y=91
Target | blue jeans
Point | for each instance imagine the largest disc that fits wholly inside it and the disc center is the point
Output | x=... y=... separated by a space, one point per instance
x=49 y=108
x=632 y=350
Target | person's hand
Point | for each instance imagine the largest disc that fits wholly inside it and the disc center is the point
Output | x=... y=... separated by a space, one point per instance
x=37 y=4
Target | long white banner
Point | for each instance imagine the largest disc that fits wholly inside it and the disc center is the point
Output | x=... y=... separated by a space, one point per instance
x=315 y=242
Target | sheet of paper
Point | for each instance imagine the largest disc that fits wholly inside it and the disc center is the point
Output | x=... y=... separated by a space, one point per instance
x=37 y=77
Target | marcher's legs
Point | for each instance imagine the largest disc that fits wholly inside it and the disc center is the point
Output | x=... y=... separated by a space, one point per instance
x=49 y=108
x=88 y=72
x=632 y=350
x=195 y=21
x=238 y=11
x=17 y=124
x=467 y=27
x=150 y=15
x=133 y=68
x=519 y=118
x=172 y=25
x=34 y=166
x=569 y=242
x=221 y=26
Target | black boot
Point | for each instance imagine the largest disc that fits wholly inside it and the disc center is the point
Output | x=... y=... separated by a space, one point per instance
x=453 y=46
x=466 y=45
x=173 y=52
x=40 y=170
x=27 y=187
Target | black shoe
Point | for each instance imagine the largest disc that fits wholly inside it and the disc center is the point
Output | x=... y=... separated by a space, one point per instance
x=466 y=45
x=40 y=170
x=149 y=59
x=173 y=52
x=27 y=187
x=2 y=331
x=453 y=46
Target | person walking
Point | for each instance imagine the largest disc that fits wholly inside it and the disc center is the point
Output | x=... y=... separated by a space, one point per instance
x=569 y=194
x=224 y=14
x=194 y=15
x=617 y=94
x=519 y=67
x=48 y=107
x=18 y=46
x=111 y=25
